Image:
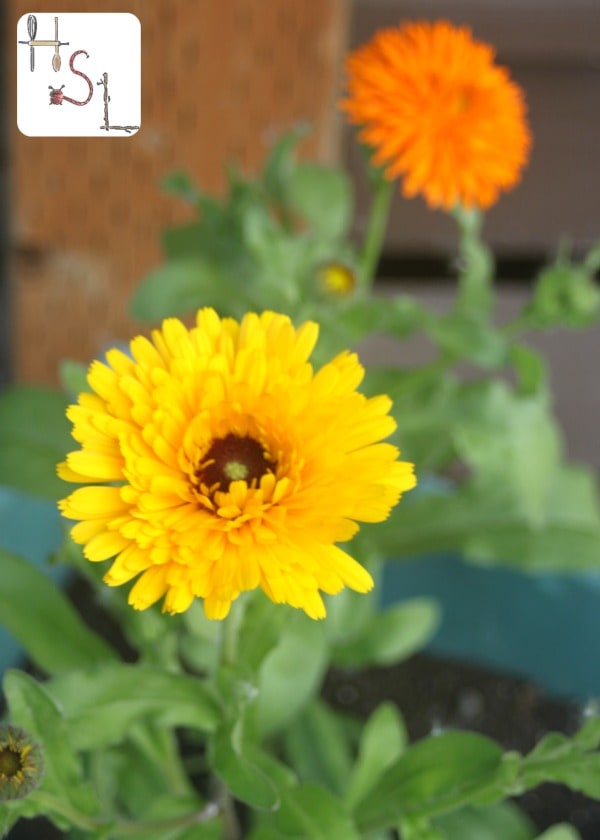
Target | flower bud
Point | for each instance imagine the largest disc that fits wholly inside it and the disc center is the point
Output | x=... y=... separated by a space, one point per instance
x=21 y=763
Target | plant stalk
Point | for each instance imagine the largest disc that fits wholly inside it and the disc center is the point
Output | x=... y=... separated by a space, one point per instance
x=125 y=828
x=376 y=228
x=476 y=268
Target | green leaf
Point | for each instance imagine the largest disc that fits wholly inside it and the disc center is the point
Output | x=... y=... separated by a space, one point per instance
x=358 y=317
x=313 y=813
x=34 y=437
x=73 y=377
x=424 y=403
x=32 y=708
x=101 y=704
x=9 y=814
x=392 y=635
x=35 y=611
x=172 y=807
x=250 y=774
x=530 y=368
x=568 y=761
x=142 y=768
x=180 y=287
x=291 y=674
x=465 y=337
x=261 y=629
x=489 y=526
x=565 y=293
x=16 y=809
x=500 y=821
x=560 y=832
x=180 y=184
x=281 y=161
x=185 y=242
x=267 y=833
x=383 y=740
x=323 y=197
x=349 y=613
x=278 y=255
x=318 y=748
x=510 y=442
x=199 y=645
x=588 y=737
x=566 y=539
x=418 y=829
x=436 y=775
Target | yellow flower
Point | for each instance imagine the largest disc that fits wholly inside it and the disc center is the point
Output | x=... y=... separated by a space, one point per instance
x=437 y=110
x=21 y=763
x=223 y=463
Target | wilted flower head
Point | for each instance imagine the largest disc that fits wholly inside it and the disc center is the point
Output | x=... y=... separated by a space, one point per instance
x=439 y=112
x=218 y=461
x=21 y=763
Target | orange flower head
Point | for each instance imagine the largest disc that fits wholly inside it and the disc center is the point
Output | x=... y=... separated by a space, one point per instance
x=438 y=111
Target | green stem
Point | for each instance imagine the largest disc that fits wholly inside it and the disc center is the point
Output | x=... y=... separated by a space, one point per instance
x=125 y=828
x=476 y=271
x=229 y=630
x=51 y=805
x=376 y=228
x=231 y=826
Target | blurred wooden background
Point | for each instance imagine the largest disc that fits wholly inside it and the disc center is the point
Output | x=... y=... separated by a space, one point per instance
x=220 y=79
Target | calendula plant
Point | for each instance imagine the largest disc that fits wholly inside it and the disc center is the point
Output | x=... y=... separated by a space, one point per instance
x=222 y=467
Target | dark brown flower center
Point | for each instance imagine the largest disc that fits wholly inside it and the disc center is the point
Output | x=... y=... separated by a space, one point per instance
x=10 y=762
x=234 y=458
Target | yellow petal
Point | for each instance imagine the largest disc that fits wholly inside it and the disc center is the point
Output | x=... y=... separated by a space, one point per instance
x=151 y=586
x=216 y=609
x=93 y=503
x=95 y=465
x=104 y=545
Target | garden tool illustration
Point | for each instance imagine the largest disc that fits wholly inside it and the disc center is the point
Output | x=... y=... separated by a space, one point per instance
x=33 y=43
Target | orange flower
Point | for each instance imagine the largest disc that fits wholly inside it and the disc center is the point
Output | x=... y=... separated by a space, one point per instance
x=438 y=111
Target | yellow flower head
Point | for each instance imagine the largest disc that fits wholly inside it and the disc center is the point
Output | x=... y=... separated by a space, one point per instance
x=438 y=111
x=218 y=461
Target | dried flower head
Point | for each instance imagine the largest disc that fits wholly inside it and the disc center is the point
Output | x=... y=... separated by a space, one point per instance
x=439 y=112
x=21 y=763
x=218 y=461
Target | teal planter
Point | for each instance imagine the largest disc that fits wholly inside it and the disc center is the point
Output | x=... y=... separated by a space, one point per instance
x=544 y=628
x=540 y=627
x=29 y=527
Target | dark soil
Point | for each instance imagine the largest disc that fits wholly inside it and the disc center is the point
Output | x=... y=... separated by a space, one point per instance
x=435 y=693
